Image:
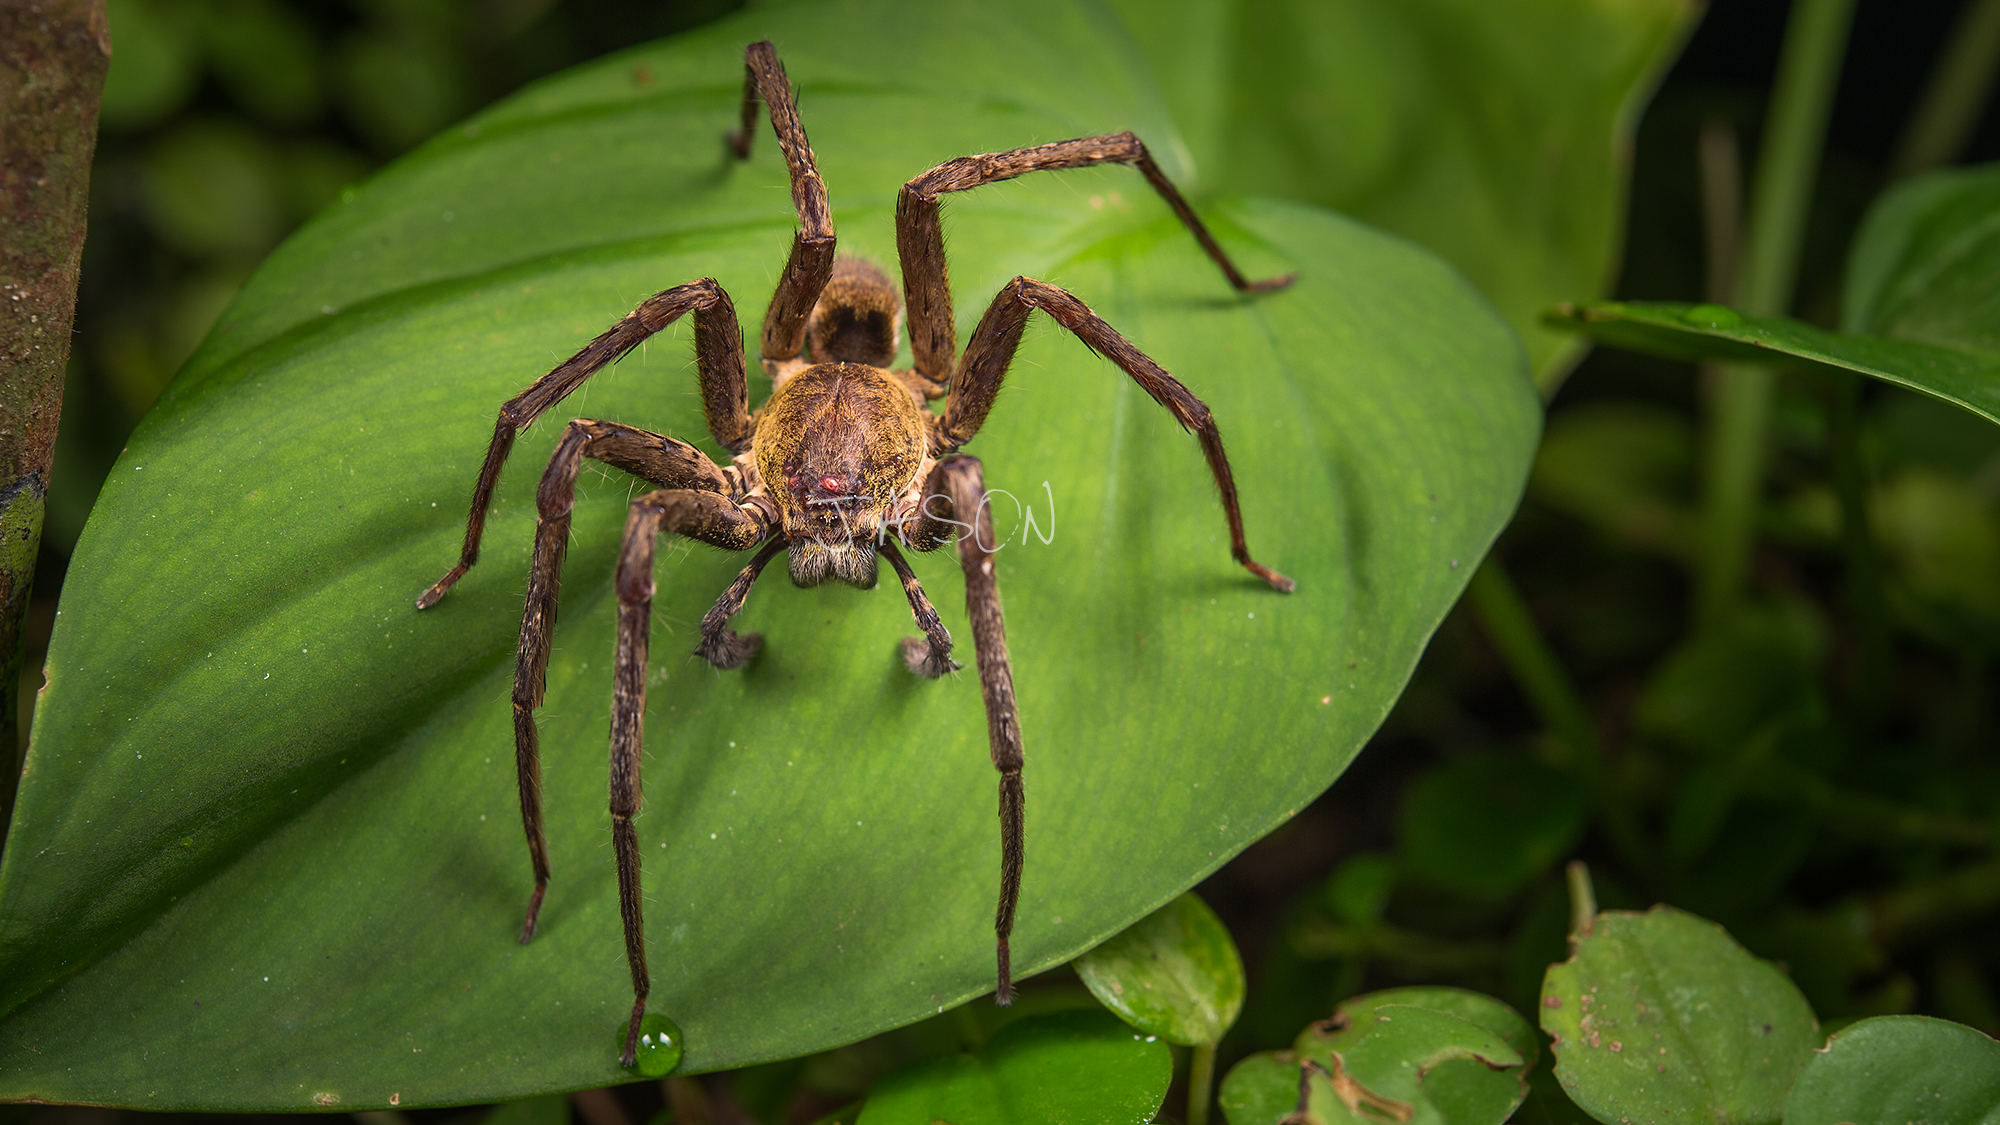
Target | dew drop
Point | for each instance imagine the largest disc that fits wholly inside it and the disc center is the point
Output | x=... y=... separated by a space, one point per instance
x=1713 y=316
x=659 y=1046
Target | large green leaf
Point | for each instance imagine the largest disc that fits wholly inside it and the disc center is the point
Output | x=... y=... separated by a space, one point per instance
x=1498 y=135
x=266 y=851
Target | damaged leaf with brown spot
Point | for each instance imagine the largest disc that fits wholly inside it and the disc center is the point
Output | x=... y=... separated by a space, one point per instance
x=1721 y=1043
x=1426 y=1056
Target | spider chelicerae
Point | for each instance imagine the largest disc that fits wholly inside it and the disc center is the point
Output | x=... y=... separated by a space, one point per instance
x=843 y=464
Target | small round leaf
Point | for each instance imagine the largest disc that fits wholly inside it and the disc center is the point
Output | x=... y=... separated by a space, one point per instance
x=1662 y=1017
x=1174 y=973
x=1079 y=1068
x=1262 y=1089
x=1895 y=1070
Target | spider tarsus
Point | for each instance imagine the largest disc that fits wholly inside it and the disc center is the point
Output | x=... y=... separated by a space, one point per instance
x=1282 y=281
x=437 y=591
x=730 y=650
x=631 y=1055
x=534 y=913
x=925 y=661
x=738 y=142
x=1003 y=995
x=1278 y=582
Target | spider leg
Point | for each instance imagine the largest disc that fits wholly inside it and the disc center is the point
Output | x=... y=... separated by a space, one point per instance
x=721 y=645
x=955 y=497
x=661 y=460
x=725 y=393
x=920 y=230
x=713 y=519
x=811 y=263
x=930 y=656
x=991 y=350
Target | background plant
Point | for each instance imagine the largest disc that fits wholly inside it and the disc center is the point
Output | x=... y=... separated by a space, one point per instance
x=1814 y=771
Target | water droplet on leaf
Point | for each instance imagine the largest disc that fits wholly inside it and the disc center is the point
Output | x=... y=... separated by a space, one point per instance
x=659 y=1047
x=1713 y=316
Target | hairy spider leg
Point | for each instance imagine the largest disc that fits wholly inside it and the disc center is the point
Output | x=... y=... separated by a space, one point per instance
x=928 y=656
x=920 y=230
x=713 y=519
x=955 y=499
x=973 y=385
x=649 y=456
x=720 y=645
x=725 y=395
x=991 y=350
x=811 y=262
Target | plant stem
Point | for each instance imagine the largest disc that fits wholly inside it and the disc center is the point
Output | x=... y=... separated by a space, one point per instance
x=1917 y=909
x=1582 y=898
x=1950 y=108
x=687 y=1102
x=1201 y=1081
x=966 y=1026
x=1794 y=132
x=1504 y=615
x=595 y=1107
x=1788 y=162
x=53 y=57
x=1739 y=412
x=1864 y=816
x=1867 y=689
x=1505 y=618
x=1719 y=157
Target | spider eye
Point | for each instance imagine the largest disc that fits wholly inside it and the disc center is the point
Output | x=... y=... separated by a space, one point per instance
x=832 y=484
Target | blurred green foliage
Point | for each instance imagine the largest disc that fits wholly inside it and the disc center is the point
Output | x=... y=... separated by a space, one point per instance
x=1826 y=790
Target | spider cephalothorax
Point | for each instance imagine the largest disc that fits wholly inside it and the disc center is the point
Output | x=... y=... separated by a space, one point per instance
x=843 y=442
x=840 y=465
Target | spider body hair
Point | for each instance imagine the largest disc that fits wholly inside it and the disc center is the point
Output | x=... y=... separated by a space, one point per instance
x=843 y=445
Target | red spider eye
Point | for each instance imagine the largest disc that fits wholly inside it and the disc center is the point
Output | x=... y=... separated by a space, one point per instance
x=831 y=484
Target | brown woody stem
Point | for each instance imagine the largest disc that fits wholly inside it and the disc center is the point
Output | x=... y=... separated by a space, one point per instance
x=53 y=57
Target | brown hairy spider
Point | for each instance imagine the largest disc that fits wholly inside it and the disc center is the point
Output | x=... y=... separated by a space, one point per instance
x=843 y=451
